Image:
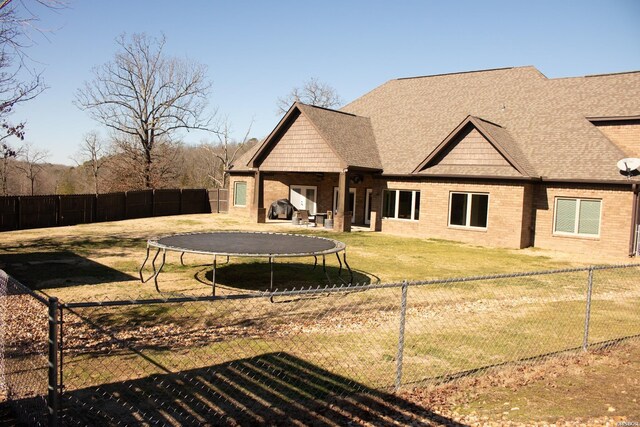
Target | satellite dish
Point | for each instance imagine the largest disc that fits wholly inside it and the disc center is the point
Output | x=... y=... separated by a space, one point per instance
x=629 y=166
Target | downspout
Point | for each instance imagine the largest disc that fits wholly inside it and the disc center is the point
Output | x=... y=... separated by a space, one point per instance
x=634 y=218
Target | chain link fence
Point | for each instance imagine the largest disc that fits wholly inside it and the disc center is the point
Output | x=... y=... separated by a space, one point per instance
x=24 y=350
x=319 y=356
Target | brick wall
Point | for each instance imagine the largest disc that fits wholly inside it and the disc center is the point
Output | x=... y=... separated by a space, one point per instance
x=241 y=211
x=615 y=225
x=507 y=224
x=626 y=135
x=276 y=186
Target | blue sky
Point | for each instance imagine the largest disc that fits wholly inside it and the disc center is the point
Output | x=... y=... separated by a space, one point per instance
x=256 y=51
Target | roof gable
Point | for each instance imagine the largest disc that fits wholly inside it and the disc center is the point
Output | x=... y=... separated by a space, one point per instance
x=476 y=147
x=346 y=137
x=300 y=148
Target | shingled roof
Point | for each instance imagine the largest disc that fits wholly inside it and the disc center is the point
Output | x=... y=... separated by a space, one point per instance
x=545 y=119
x=540 y=125
x=349 y=136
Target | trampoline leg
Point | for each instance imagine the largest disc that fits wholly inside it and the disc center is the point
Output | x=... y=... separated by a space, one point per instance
x=213 y=276
x=181 y=259
x=344 y=258
x=153 y=264
x=143 y=263
x=271 y=271
x=155 y=277
x=315 y=262
x=340 y=262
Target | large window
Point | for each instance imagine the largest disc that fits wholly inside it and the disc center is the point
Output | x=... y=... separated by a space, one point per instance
x=240 y=193
x=468 y=210
x=401 y=204
x=577 y=216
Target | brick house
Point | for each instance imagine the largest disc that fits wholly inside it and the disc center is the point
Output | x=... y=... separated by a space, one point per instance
x=504 y=157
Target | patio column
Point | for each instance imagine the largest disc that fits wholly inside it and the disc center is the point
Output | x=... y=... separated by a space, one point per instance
x=259 y=212
x=342 y=220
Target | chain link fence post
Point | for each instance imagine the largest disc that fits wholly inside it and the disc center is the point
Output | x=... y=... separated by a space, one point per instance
x=403 y=316
x=53 y=390
x=587 y=317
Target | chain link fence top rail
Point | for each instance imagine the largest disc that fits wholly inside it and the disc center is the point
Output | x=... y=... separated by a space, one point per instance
x=23 y=350
x=288 y=357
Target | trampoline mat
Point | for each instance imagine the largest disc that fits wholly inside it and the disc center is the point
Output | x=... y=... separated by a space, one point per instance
x=243 y=243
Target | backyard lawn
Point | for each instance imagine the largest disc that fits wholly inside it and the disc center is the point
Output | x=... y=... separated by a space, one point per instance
x=347 y=341
x=69 y=262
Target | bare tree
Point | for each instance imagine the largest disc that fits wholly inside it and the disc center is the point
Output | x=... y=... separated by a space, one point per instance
x=146 y=96
x=32 y=163
x=129 y=170
x=313 y=92
x=93 y=153
x=8 y=152
x=226 y=152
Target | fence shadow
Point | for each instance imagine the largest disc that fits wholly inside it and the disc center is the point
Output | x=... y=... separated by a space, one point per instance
x=270 y=389
x=58 y=269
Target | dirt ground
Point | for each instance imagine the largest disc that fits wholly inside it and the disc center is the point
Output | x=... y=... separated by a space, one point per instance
x=598 y=388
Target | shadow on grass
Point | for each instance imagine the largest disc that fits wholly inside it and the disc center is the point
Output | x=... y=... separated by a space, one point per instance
x=256 y=276
x=270 y=389
x=59 y=269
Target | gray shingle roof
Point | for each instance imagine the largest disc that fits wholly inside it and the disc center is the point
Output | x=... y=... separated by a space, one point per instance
x=350 y=136
x=540 y=124
x=545 y=119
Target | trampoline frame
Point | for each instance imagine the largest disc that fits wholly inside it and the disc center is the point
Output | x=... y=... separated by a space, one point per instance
x=154 y=243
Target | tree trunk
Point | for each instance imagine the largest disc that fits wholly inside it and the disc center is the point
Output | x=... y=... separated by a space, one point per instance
x=147 y=169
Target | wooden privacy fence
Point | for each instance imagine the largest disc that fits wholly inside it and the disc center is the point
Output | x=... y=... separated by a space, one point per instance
x=23 y=212
x=219 y=200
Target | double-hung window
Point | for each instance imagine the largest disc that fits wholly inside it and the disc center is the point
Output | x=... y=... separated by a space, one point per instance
x=469 y=210
x=240 y=193
x=580 y=217
x=401 y=204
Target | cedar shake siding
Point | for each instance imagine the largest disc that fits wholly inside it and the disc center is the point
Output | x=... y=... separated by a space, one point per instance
x=301 y=149
x=471 y=151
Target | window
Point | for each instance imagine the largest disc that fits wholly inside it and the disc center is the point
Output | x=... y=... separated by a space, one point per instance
x=401 y=204
x=469 y=210
x=240 y=193
x=577 y=217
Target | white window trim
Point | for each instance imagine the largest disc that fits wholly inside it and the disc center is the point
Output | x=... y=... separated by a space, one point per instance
x=235 y=184
x=468 y=225
x=397 y=205
x=577 y=218
x=367 y=205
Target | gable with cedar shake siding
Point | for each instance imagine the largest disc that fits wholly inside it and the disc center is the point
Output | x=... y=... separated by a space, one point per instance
x=503 y=157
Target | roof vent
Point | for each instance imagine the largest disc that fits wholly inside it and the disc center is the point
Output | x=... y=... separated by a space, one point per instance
x=629 y=166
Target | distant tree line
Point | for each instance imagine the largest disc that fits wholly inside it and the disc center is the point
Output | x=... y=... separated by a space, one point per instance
x=101 y=167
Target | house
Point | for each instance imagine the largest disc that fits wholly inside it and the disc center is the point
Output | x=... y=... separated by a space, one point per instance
x=504 y=157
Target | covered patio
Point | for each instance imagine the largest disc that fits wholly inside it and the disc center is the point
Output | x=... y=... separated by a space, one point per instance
x=322 y=161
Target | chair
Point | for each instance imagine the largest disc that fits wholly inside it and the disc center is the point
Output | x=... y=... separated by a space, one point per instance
x=305 y=218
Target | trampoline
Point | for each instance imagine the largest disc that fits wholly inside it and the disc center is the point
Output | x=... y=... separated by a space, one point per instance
x=244 y=244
